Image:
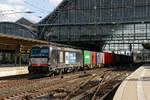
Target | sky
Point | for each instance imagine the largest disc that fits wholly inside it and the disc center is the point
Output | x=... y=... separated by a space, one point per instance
x=12 y=10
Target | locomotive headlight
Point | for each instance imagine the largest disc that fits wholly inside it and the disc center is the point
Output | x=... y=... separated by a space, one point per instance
x=49 y=63
x=29 y=62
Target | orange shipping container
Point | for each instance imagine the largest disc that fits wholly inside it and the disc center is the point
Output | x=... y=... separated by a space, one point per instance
x=93 y=58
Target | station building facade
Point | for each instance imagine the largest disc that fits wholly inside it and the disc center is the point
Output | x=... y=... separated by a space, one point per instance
x=102 y=25
x=107 y=24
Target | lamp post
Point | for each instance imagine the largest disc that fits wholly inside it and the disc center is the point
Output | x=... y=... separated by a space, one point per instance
x=131 y=54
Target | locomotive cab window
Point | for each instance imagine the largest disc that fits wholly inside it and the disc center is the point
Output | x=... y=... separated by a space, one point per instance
x=39 y=52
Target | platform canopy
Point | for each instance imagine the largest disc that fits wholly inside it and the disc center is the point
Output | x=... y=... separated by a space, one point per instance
x=10 y=42
x=15 y=43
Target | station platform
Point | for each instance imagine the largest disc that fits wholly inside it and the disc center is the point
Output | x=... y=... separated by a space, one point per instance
x=136 y=86
x=7 y=70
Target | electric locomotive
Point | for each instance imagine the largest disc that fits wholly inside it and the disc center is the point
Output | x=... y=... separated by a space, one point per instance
x=47 y=59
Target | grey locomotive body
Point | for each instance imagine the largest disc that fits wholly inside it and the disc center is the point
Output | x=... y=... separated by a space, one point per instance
x=47 y=59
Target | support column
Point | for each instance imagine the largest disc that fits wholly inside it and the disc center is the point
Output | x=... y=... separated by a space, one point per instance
x=15 y=58
x=20 y=59
x=20 y=54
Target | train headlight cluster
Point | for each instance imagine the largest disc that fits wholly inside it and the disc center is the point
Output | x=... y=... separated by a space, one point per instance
x=29 y=62
x=49 y=63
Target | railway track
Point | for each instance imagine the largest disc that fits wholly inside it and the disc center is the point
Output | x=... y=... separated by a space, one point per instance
x=24 y=88
x=95 y=91
x=73 y=86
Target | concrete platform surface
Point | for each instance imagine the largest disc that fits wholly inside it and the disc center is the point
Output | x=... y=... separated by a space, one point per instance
x=136 y=86
x=9 y=71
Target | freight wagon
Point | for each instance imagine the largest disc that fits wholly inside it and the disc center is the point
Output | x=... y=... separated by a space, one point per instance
x=99 y=59
x=47 y=59
x=107 y=59
x=119 y=60
x=89 y=59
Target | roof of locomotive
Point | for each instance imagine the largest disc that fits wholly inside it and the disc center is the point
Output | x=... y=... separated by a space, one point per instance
x=66 y=48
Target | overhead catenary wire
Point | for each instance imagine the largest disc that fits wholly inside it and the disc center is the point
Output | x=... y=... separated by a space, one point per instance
x=32 y=5
x=6 y=10
x=16 y=13
x=39 y=10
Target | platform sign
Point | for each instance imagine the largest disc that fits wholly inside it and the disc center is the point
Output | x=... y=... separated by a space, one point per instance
x=130 y=47
x=20 y=47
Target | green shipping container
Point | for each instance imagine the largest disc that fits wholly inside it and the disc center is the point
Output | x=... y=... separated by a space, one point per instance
x=87 y=57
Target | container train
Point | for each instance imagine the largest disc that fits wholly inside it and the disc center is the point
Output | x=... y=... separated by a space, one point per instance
x=47 y=59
